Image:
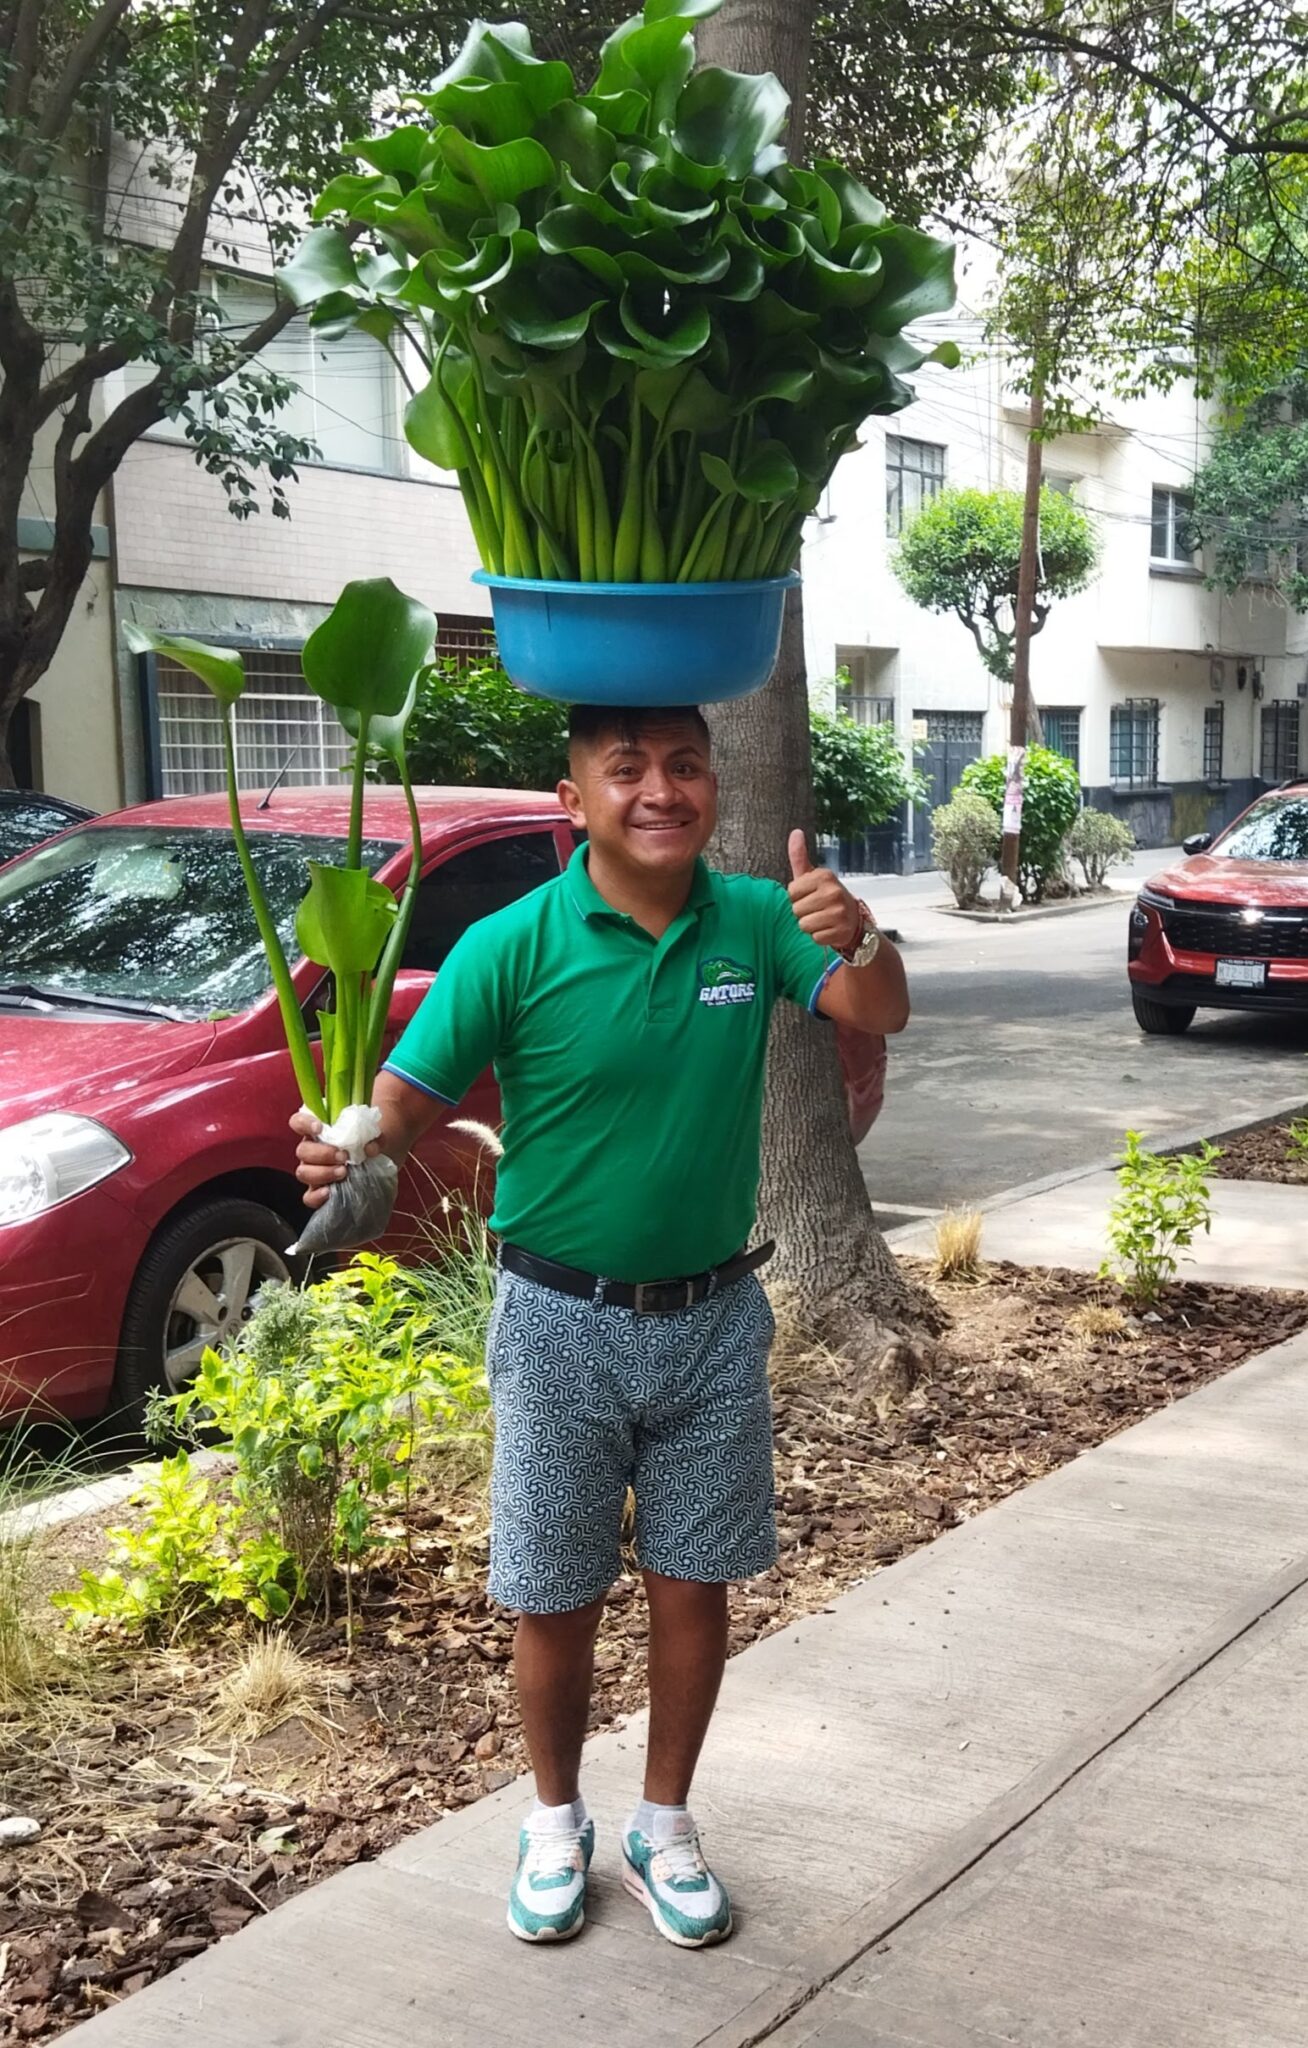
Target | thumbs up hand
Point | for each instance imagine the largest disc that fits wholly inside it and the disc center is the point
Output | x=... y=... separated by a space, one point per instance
x=822 y=904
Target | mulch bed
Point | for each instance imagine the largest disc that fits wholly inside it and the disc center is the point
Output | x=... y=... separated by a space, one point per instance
x=1264 y=1153
x=161 y=1836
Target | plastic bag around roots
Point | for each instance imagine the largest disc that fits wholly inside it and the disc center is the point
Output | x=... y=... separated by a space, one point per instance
x=357 y=1209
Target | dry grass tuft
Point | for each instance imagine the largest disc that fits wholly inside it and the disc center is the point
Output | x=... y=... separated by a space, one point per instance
x=271 y=1684
x=1096 y=1320
x=798 y=1358
x=958 y=1246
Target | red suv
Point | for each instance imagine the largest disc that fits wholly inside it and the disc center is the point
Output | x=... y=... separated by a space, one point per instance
x=1228 y=928
x=146 y=1171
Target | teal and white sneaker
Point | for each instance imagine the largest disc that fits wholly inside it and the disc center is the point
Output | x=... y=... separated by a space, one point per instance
x=685 y=1900
x=548 y=1899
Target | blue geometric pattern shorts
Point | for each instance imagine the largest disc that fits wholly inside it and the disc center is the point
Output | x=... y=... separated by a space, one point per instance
x=590 y=1400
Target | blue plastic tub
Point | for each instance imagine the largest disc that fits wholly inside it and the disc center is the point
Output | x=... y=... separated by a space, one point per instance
x=637 y=643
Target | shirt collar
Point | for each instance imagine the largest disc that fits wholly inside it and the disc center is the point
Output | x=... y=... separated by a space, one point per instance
x=590 y=903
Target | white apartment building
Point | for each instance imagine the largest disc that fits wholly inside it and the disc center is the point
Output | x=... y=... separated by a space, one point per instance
x=1176 y=703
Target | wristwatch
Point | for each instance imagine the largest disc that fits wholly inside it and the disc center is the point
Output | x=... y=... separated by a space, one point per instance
x=864 y=950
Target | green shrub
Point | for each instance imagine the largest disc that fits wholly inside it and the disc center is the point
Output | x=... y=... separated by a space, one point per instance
x=1298 y=1136
x=965 y=843
x=1098 y=841
x=1163 y=1203
x=189 y=1559
x=473 y=728
x=1051 y=800
x=860 y=776
x=323 y=1401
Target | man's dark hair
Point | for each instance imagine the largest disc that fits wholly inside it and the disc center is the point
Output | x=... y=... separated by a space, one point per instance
x=590 y=723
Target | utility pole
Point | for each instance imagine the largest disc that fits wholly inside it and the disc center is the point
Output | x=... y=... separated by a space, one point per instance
x=1021 y=720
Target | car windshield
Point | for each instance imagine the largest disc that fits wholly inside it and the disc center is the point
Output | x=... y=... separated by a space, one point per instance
x=155 y=914
x=1275 y=829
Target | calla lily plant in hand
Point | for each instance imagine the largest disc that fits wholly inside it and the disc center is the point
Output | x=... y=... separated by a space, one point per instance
x=647 y=337
x=365 y=660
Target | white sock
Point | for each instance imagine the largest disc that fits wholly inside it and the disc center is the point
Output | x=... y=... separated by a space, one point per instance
x=656 y=1822
x=553 y=1819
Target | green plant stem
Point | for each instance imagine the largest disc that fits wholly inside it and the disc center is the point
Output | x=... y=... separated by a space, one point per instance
x=691 y=570
x=393 y=951
x=627 y=539
x=490 y=540
x=297 y=1036
x=354 y=843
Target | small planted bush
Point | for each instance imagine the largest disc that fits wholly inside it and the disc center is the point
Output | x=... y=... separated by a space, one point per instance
x=324 y=1402
x=1163 y=1204
x=1050 y=803
x=1098 y=841
x=860 y=776
x=965 y=839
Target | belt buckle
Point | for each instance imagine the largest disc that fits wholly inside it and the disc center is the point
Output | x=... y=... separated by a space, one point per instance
x=649 y=1287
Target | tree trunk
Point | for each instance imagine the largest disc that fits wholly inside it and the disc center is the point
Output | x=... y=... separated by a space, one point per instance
x=1024 y=723
x=842 y=1283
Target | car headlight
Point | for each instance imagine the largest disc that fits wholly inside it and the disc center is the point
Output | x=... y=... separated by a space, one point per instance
x=1156 y=901
x=47 y=1159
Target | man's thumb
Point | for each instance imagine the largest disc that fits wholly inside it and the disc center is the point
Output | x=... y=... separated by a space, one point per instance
x=800 y=864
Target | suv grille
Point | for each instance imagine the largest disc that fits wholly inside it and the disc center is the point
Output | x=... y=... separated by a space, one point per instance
x=1217 y=928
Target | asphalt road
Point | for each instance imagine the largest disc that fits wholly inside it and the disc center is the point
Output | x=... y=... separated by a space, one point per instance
x=1023 y=1058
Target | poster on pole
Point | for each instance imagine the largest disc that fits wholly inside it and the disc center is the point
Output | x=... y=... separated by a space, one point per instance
x=1013 y=791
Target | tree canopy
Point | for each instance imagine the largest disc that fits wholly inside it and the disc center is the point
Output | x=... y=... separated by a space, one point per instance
x=960 y=555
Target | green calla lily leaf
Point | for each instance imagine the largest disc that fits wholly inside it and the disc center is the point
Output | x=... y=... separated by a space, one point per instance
x=355 y=193
x=400 y=154
x=727 y=117
x=324 y=262
x=767 y=474
x=220 y=669
x=718 y=473
x=502 y=172
x=680 y=10
x=432 y=427
x=364 y=655
x=344 y=920
x=917 y=278
x=386 y=734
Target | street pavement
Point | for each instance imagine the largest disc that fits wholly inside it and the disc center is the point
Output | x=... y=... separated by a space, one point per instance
x=1023 y=1059
x=1043 y=1782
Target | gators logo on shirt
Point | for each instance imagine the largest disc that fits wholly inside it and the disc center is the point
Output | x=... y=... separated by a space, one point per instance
x=725 y=981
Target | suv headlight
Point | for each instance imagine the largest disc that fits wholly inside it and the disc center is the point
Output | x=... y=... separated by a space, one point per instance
x=47 y=1159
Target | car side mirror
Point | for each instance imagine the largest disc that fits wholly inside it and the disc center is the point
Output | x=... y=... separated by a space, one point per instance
x=1198 y=842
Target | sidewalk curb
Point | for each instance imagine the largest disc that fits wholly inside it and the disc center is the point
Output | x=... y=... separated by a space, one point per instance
x=52 y=1510
x=1032 y=913
x=1182 y=1141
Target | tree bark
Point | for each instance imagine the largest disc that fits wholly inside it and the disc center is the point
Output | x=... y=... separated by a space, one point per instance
x=841 y=1281
x=1024 y=724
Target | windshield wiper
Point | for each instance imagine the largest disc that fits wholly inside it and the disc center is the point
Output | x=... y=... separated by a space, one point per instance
x=63 y=998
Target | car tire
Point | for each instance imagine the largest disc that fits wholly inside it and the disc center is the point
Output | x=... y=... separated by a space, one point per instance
x=218 y=1253
x=1161 y=1020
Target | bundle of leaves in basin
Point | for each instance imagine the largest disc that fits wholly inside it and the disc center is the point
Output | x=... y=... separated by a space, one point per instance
x=650 y=337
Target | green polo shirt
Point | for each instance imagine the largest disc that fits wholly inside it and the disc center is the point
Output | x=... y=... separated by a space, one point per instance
x=630 y=1069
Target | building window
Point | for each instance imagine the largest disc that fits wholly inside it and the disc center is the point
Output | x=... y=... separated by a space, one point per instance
x=1169 y=528
x=1062 y=726
x=857 y=696
x=347 y=398
x=1133 y=742
x=280 y=725
x=915 y=473
x=465 y=639
x=1280 y=748
x=1213 y=722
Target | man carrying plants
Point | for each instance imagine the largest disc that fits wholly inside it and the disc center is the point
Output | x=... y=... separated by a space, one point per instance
x=625 y=1007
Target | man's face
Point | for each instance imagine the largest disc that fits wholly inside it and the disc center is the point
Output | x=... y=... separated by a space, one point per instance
x=650 y=802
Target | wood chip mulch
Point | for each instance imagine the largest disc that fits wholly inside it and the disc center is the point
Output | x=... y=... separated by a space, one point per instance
x=161 y=1835
x=1264 y=1153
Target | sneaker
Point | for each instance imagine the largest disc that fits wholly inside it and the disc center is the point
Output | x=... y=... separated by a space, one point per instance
x=548 y=1899
x=685 y=1900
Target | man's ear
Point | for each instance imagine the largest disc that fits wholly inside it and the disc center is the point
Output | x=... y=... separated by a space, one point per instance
x=570 y=797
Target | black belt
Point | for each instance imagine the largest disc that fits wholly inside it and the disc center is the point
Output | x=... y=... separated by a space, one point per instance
x=647 y=1297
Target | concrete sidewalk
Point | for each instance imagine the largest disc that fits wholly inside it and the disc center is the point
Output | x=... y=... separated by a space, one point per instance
x=1042 y=1782
x=1259 y=1236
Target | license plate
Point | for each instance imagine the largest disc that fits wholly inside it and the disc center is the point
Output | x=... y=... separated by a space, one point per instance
x=1241 y=973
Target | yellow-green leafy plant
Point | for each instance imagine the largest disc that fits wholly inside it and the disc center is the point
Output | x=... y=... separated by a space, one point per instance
x=1163 y=1203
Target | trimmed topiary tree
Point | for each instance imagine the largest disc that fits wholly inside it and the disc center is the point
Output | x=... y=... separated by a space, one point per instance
x=965 y=839
x=1099 y=840
x=1050 y=806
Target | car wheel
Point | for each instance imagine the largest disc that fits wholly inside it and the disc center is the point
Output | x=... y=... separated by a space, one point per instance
x=1160 y=1020
x=194 y=1287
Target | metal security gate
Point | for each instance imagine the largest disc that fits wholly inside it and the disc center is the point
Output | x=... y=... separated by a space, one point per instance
x=949 y=740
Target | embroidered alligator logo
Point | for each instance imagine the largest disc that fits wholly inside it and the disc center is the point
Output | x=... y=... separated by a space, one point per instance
x=725 y=981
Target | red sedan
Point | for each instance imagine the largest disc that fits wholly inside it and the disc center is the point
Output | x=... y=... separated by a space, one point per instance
x=146 y=1170
x=1227 y=928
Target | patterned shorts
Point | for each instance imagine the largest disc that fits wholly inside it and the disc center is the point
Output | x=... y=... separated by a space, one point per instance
x=590 y=1400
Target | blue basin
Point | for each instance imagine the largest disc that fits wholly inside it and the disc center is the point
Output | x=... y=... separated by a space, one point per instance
x=637 y=643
